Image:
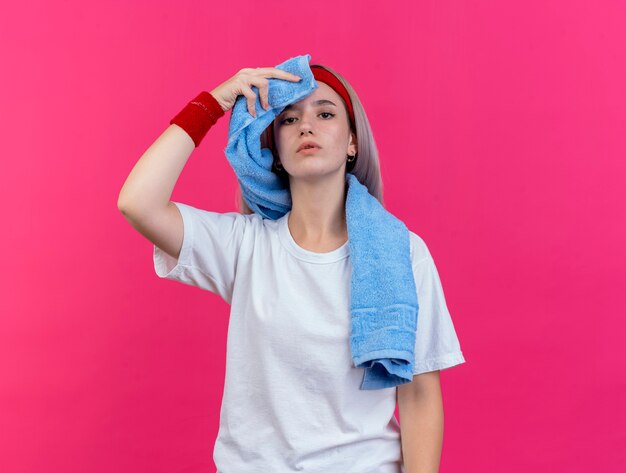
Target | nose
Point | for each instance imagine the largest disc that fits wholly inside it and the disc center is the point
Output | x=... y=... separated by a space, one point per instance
x=305 y=125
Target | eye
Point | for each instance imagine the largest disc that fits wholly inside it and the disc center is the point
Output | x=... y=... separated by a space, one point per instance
x=285 y=121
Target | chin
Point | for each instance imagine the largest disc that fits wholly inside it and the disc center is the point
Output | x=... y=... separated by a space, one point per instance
x=315 y=171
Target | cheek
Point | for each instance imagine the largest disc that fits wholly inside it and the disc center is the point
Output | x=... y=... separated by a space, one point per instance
x=339 y=137
x=278 y=139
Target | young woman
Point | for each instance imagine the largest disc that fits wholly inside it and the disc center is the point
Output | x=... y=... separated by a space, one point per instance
x=291 y=398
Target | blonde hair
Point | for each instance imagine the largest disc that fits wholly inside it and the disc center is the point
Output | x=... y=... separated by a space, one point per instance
x=366 y=167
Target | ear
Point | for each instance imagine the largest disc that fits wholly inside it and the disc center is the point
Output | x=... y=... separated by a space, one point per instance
x=352 y=144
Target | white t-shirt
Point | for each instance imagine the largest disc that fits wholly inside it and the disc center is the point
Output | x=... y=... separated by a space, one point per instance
x=291 y=398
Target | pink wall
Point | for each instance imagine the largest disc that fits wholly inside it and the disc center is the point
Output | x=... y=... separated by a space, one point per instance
x=502 y=136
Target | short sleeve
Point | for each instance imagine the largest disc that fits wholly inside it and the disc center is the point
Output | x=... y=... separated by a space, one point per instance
x=437 y=346
x=208 y=256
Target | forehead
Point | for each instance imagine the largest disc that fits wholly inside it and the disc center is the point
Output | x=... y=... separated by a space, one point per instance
x=322 y=93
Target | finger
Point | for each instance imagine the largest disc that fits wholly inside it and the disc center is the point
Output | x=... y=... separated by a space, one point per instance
x=250 y=99
x=263 y=86
x=263 y=83
x=264 y=95
x=278 y=74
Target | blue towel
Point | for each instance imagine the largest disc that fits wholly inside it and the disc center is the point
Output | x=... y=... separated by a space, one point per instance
x=383 y=305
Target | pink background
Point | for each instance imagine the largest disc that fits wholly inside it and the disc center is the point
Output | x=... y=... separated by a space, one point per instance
x=502 y=136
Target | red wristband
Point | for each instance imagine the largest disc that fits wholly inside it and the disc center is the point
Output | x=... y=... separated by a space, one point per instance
x=199 y=116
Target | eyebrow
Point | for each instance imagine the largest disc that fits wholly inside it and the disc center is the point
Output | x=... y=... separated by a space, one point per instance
x=317 y=102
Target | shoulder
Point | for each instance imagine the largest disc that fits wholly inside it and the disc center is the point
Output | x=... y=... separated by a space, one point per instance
x=419 y=249
x=221 y=218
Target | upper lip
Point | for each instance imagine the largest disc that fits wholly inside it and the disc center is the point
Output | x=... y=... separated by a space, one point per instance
x=307 y=143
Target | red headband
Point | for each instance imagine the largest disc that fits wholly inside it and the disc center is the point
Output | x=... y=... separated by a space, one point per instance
x=322 y=75
x=330 y=79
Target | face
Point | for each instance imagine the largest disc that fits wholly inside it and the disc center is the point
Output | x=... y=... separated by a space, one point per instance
x=321 y=118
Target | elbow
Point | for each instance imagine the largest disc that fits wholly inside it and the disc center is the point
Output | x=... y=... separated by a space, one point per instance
x=124 y=205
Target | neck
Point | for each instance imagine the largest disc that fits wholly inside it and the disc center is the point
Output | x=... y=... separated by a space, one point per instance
x=318 y=211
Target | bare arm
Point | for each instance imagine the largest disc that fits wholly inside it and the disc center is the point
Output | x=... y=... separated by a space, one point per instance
x=145 y=197
x=421 y=423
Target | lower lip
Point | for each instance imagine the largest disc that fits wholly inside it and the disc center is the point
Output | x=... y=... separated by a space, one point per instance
x=308 y=150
